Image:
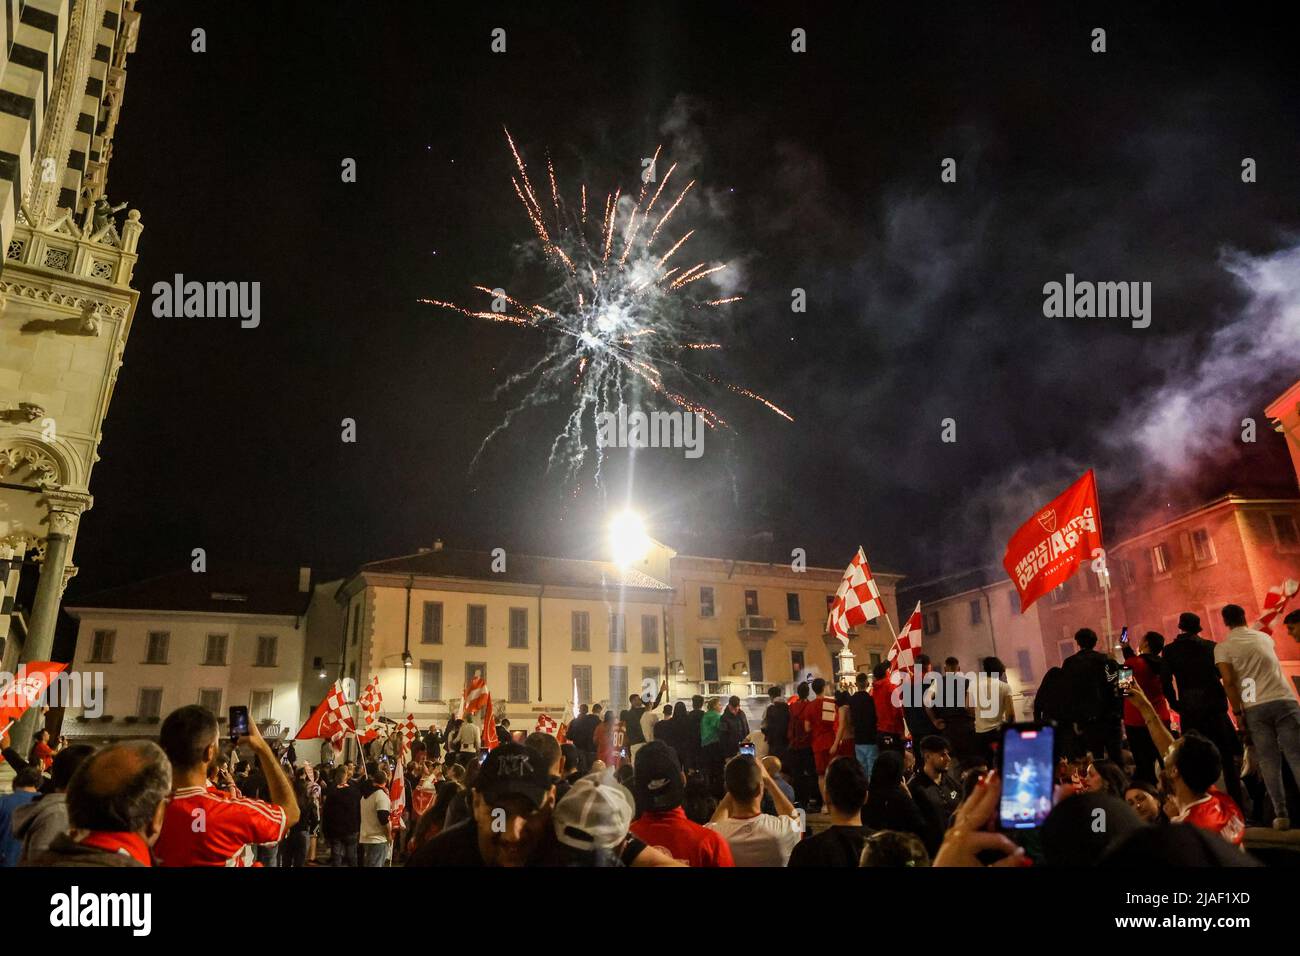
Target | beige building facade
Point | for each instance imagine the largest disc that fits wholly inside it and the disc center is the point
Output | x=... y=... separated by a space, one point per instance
x=532 y=626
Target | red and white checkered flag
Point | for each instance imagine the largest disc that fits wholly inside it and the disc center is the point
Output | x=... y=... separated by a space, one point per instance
x=1275 y=602
x=336 y=723
x=546 y=724
x=857 y=601
x=370 y=702
x=397 y=795
x=409 y=730
x=902 y=655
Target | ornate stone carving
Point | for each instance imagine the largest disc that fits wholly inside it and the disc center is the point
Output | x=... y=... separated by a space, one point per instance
x=63 y=522
x=40 y=464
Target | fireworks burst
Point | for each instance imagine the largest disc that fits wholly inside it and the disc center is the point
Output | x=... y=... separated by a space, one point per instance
x=622 y=314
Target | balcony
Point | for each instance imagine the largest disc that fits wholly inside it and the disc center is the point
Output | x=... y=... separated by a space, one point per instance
x=754 y=624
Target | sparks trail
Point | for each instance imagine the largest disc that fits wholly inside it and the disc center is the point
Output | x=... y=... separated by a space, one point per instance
x=620 y=316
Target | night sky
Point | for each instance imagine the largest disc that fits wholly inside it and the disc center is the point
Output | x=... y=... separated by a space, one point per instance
x=817 y=170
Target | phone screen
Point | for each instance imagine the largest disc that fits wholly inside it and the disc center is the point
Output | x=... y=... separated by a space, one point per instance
x=1028 y=753
x=238 y=722
x=747 y=749
x=1123 y=635
x=1125 y=679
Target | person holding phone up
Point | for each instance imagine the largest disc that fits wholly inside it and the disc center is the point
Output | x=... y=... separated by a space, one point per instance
x=202 y=826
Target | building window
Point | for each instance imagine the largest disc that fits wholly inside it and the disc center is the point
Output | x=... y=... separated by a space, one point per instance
x=650 y=680
x=1066 y=649
x=210 y=697
x=874 y=658
x=706 y=602
x=475 y=669
x=582 y=677
x=150 y=707
x=830 y=603
x=517 y=679
x=1160 y=560
x=709 y=656
x=649 y=634
x=580 y=625
x=756 y=666
x=431 y=628
x=617 y=634
x=975 y=612
x=430 y=680
x=156 y=651
x=266 y=648
x=1202 y=546
x=930 y=622
x=1060 y=594
x=476 y=626
x=1285 y=532
x=1025 y=667
x=518 y=627
x=792 y=608
x=101 y=650
x=214 y=652
x=751 y=602
x=1127 y=572
x=259 y=707
x=1013 y=600
x=618 y=697
x=796 y=665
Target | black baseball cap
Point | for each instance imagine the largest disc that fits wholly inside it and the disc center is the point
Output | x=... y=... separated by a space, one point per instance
x=514 y=770
x=658 y=779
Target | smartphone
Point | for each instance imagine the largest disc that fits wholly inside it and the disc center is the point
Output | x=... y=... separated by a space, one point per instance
x=1123 y=634
x=238 y=722
x=482 y=757
x=1028 y=756
x=747 y=749
x=1125 y=679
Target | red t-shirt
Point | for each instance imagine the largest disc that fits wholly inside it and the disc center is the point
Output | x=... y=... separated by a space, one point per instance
x=1146 y=678
x=796 y=733
x=682 y=839
x=44 y=754
x=1217 y=812
x=889 y=719
x=821 y=712
x=204 y=828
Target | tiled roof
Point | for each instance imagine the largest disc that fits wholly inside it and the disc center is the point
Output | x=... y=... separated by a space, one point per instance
x=520 y=569
x=240 y=591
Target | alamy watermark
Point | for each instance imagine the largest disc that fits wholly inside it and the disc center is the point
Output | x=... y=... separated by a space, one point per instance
x=208 y=300
x=977 y=689
x=624 y=429
x=83 y=690
x=1101 y=300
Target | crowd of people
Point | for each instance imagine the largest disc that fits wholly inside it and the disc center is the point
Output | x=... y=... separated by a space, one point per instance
x=1182 y=744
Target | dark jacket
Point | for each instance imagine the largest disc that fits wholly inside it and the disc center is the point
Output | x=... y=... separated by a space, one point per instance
x=65 y=852
x=582 y=730
x=1090 y=683
x=776 y=727
x=39 y=822
x=732 y=729
x=895 y=810
x=689 y=736
x=342 y=816
x=1190 y=660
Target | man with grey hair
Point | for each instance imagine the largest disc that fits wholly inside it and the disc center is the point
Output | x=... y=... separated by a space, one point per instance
x=116 y=802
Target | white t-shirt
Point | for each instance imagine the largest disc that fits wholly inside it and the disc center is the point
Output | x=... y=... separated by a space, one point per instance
x=648 y=721
x=984 y=722
x=764 y=840
x=1253 y=656
x=372 y=831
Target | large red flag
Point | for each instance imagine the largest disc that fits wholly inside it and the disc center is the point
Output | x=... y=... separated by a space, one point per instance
x=1055 y=542
x=26 y=688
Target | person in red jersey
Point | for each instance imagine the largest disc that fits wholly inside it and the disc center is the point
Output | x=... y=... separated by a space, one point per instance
x=1192 y=766
x=889 y=713
x=660 y=789
x=202 y=826
x=820 y=717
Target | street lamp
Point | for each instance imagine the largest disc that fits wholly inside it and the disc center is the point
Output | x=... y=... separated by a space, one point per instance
x=407 y=660
x=680 y=669
x=744 y=669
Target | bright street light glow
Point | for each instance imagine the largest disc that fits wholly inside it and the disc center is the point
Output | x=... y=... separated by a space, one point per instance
x=628 y=541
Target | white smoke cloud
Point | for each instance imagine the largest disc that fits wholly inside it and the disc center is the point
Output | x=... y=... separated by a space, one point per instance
x=1197 y=413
